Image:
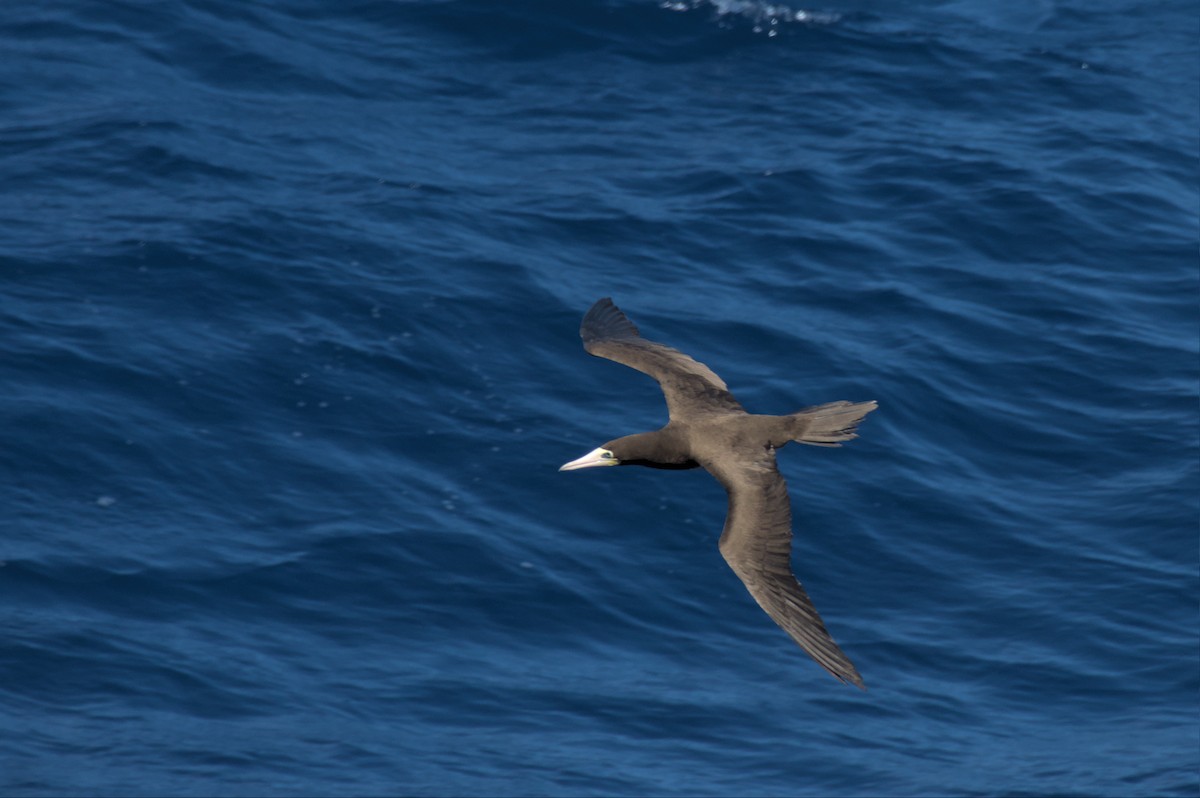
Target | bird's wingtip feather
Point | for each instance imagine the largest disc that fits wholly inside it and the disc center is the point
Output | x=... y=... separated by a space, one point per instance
x=605 y=320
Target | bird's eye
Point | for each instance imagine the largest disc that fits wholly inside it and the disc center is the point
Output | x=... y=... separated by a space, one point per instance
x=608 y=455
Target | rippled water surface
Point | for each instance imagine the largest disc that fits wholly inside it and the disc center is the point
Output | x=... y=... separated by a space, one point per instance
x=290 y=301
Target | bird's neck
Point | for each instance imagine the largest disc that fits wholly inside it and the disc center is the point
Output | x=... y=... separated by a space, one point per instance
x=664 y=448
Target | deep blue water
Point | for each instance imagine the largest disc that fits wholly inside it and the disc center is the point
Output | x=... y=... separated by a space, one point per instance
x=289 y=322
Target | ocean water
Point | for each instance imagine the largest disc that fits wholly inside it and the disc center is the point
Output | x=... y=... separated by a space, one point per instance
x=289 y=307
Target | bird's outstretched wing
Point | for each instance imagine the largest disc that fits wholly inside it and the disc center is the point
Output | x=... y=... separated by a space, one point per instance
x=688 y=385
x=757 y=544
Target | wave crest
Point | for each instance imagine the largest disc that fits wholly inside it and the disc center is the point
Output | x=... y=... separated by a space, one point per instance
x=766 y=17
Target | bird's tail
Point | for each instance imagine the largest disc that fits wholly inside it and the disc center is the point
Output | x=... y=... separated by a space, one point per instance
x=829 y=425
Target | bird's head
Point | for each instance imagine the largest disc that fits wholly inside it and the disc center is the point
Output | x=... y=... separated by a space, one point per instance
x=602 y=456
x=657 y=449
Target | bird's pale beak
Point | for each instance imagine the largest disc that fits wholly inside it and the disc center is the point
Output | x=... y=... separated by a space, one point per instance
x=596 y=457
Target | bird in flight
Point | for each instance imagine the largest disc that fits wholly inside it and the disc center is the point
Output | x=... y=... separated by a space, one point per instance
x=709 y=429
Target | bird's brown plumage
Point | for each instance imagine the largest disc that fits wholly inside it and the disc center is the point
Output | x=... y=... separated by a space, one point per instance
x=709 y=428
x=688 y=385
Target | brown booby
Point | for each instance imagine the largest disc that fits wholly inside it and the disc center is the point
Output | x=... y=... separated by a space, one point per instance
x=709 y=429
